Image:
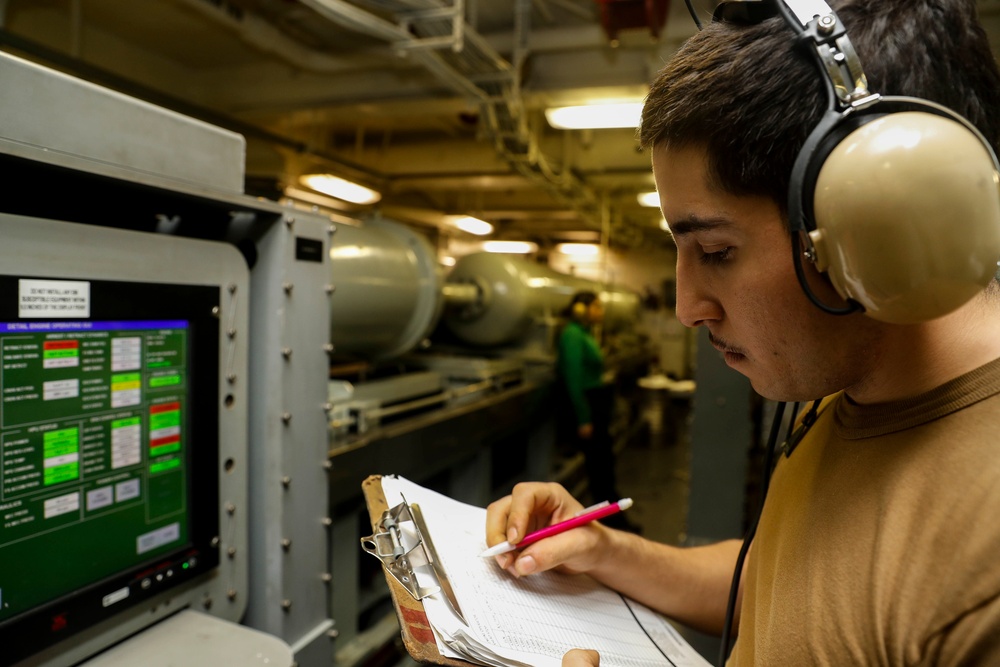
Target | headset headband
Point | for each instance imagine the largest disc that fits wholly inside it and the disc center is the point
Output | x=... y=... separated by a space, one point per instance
x=817 y=25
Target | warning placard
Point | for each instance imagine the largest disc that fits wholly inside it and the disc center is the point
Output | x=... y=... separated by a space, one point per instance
x=53 y=298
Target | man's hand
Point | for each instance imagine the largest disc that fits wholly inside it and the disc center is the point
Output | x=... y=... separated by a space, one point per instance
x=534 y=505
x=579 y=657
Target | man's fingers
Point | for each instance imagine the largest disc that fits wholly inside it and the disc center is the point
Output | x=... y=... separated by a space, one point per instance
x=579 y=657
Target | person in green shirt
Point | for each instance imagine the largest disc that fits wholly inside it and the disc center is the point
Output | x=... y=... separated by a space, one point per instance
x=581 y=369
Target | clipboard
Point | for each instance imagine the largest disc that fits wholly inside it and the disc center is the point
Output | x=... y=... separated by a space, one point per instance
x=418 y=638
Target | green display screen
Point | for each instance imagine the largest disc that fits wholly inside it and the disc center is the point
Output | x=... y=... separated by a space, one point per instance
x=93 y=452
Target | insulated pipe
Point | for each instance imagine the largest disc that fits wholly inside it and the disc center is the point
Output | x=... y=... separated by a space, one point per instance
x=388 y=289
x=390 y=294
x=516 y=294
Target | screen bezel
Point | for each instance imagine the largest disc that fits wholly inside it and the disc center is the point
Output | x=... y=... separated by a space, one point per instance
x=38 y=628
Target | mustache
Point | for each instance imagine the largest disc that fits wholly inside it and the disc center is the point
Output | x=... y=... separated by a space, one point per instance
x=722 y=344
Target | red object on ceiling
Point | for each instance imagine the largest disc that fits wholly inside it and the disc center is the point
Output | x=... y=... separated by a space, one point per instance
x=625 y=14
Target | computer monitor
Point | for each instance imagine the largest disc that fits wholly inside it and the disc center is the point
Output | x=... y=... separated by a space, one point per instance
x=109 y=449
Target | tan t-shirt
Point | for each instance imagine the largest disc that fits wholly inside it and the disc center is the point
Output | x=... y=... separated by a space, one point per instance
x=880 y=539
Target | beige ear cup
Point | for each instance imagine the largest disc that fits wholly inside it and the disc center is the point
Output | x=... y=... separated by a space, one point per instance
x=907 y=211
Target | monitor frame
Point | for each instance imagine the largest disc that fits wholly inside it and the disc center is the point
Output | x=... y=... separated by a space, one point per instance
x=128 y=303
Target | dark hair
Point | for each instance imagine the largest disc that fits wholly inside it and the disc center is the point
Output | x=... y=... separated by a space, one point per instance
x=585 y=297
x=751 y=98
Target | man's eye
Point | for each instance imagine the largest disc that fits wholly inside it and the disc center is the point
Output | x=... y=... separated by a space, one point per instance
x=717 y=257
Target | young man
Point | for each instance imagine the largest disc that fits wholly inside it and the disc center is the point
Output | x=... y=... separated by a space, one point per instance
x=878 y=542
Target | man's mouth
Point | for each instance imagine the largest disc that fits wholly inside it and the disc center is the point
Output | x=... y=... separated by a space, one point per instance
x=730 y=352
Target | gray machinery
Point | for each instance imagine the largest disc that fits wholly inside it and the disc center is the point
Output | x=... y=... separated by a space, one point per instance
x=390 y=295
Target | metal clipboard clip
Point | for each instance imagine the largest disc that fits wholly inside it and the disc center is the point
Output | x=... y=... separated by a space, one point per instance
x=388 y=545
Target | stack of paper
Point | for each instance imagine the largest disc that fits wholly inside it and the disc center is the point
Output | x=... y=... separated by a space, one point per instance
x=533 y=620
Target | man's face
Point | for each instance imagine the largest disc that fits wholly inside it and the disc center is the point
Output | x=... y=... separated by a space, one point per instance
x=736 y=278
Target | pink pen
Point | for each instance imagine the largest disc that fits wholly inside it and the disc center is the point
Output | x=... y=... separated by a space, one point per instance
x=561 y=527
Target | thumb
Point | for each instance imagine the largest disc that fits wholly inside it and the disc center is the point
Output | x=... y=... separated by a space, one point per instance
x=579 y=657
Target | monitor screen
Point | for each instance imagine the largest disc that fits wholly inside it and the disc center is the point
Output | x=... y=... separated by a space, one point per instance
x=108 y=452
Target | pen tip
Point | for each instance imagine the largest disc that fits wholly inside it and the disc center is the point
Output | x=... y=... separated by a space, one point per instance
x=497 y=549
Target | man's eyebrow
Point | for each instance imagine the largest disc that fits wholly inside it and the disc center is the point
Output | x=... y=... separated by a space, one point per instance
x=693 y=223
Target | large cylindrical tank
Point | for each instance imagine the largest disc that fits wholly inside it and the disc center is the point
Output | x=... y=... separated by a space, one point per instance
x=388 y=289
x=514 y=293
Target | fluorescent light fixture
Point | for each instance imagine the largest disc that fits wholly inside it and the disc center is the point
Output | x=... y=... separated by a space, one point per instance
x=579 y=249
x=447 y=260
x=471 y=225
x=340 y=188
x=650 y=199
x=595 y=116
x=510 y=247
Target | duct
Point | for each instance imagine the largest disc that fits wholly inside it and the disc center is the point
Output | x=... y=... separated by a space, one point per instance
x=262 y=36
x=351 y=17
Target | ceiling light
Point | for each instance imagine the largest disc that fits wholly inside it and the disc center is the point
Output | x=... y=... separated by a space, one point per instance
x=579 y=249
x=595 y=116
x=511 y=247
x=340 y=188
x=651 y=199
x=447 y=260
x=472 y=225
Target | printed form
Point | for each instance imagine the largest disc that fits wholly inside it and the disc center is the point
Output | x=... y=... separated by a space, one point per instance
x=531 y=621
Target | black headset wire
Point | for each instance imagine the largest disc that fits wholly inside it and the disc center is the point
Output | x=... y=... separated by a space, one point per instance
x=852 y=305
x=734 y=588
x=694 y=14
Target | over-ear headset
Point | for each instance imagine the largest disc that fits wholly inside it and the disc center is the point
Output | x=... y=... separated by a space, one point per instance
x=579 y=309
x=896 y=199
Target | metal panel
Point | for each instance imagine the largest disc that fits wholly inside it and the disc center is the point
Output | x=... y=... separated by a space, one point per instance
x=50 y=117
x=290 y=316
